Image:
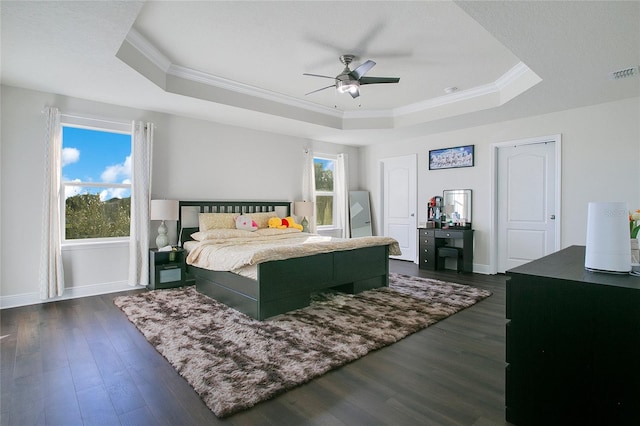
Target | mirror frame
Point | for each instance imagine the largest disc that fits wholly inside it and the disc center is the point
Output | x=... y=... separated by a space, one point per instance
x=466 y=200
x=360 y=208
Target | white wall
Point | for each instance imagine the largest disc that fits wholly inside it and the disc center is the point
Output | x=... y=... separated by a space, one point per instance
x=192 y=159
x=195 y=159
x=600 y=161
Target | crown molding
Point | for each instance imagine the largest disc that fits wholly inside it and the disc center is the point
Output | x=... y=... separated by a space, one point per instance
x=510 y=77
x=518 y=71
x=153 y=54
x=517 y=79
x=246 y=89
x=148 y=50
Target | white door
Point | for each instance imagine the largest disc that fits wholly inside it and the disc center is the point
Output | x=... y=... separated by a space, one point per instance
x=399 y=200
x=528 y=217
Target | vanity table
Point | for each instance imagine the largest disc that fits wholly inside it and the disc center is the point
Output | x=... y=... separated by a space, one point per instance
x=452 y=228
x=430 y=240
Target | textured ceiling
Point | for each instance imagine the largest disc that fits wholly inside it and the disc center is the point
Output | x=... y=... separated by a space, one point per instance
x=241 y=62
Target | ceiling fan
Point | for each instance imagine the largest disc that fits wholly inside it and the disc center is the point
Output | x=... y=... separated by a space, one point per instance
x=349 y=81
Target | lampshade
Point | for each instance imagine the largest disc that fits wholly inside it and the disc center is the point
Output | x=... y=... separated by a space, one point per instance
x=304 y=208
x=164 y=210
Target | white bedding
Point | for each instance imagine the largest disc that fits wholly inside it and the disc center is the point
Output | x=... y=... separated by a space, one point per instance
x=241 y=254
x=249 y=271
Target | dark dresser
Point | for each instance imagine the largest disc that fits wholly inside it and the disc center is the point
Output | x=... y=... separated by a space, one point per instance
x=573 y=344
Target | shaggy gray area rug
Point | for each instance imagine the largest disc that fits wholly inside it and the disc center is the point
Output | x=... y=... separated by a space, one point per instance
x=234 y=362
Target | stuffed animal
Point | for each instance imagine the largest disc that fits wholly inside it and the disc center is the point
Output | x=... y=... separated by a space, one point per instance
x=246 y=222
x=287 y=222
x=291 y=223
x=276 y=222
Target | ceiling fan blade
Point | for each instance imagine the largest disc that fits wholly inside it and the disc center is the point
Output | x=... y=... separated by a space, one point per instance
x=333 y=85
x=318 y=75
x=362 y=70
x=378 y=80
x=354 y=93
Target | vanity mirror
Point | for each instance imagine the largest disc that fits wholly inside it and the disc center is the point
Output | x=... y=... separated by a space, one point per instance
x=456 y=208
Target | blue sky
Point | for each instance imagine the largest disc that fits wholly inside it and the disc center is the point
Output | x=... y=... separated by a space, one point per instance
x=96 y=156
x=326 y=164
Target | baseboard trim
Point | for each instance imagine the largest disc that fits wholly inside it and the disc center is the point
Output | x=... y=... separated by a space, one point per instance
x=26 y=299
x=481 y=269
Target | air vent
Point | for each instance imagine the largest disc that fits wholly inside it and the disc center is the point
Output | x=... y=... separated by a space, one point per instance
x=627 y=72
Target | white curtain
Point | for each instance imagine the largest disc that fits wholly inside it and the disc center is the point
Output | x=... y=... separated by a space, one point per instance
x=309 y=185
x=51 y=272
x=142 y=145
x=341 y=183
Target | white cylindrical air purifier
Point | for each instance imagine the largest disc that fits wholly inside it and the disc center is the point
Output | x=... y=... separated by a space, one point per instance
x=608 y=248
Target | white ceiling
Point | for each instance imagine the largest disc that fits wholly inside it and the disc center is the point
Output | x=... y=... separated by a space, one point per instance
x=241 y=62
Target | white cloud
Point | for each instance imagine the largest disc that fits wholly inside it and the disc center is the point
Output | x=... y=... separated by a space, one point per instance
x=127 y=166
x=109 y=193
x=70 y=155
x=117 y=172
x=70 y=191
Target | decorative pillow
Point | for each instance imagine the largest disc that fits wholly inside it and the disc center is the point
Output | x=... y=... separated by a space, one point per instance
x=246 y=222
x=262 y=218
x=213 y=234
x=217 y=221
x=276 y=231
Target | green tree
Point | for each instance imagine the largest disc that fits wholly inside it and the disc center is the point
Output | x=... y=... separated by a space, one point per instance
x=324 y=204
x=324 y=178
x=89 y=217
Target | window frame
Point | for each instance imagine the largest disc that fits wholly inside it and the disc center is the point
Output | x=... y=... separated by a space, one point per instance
x=100 y=125
x=332 y=194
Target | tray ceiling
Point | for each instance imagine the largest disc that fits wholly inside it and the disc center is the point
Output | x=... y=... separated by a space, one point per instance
x=242 y=62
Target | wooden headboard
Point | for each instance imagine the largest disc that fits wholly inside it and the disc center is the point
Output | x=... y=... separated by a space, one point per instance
x=188 y=212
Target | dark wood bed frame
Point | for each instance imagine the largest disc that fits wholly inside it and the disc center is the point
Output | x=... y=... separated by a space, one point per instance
x=285 y=285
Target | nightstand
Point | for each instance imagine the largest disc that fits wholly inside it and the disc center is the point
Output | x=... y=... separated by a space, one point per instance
x=166 y=268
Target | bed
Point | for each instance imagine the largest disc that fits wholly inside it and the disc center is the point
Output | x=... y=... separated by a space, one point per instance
x=279 y=286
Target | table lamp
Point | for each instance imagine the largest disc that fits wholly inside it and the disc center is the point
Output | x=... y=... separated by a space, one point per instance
x=304 y=209
x=163 y=210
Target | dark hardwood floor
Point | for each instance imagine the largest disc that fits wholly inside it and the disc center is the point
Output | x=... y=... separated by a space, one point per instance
x=81 y=361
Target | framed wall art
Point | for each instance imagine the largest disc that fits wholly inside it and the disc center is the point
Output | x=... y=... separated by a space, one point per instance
x=449 y=158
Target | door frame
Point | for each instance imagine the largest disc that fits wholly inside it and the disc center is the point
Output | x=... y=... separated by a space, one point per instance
x=493 y=242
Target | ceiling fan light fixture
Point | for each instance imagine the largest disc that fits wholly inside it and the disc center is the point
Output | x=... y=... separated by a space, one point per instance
x=350 y=81
x=347 y=86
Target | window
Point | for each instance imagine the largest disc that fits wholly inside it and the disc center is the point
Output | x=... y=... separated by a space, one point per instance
x=325 y=193
x=96 y=182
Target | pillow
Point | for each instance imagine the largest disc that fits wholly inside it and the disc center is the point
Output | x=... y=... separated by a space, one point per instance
x=276 y=231
x=213 y=234
x=262 y=218
x=246 y=222
x=217 y=221
x=185 y=234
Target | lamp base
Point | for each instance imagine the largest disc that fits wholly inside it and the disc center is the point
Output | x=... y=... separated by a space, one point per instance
x=162 y=240
x=305 y=224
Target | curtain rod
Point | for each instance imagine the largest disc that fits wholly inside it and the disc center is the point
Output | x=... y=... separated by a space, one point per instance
x=87 y=117
x=93 y=118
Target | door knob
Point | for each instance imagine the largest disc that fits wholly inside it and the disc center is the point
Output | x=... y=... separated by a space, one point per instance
x=552 y=217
